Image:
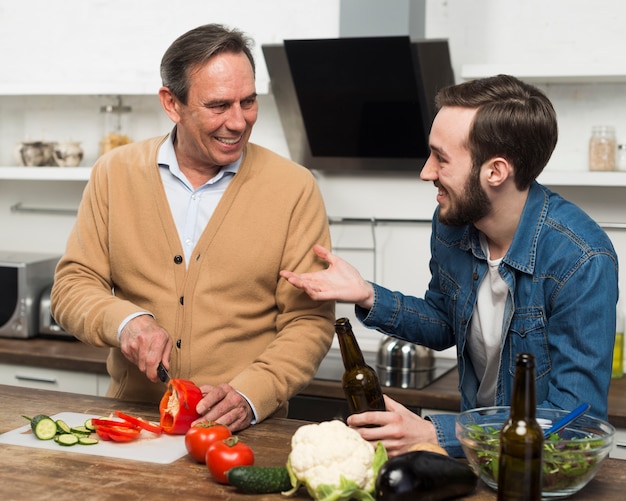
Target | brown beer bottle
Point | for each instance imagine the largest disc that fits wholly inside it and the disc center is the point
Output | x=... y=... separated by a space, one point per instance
x=359 y=380
x=521 y=439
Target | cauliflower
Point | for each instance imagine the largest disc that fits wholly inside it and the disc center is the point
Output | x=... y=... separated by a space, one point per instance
x=333 y=462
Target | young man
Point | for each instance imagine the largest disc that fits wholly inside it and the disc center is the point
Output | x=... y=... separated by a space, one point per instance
x=515 y=268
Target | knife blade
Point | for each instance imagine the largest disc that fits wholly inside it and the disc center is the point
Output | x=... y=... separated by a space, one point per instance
x=162 y=373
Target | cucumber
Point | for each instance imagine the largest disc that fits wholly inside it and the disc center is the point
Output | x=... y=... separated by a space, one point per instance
x=87 y=441
x=62 y=426
x=259 y=479
x=66 y=439
x=80 y=430
x=89 y=425
x=44 y=427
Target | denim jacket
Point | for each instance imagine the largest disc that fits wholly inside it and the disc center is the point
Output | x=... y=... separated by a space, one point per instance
x=562 y=274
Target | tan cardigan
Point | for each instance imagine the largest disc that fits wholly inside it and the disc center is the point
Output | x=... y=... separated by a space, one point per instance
x=231 y=316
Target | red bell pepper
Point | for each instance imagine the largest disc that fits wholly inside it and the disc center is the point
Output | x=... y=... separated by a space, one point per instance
x=178 y=406
x=117 y=433
x=142 y=423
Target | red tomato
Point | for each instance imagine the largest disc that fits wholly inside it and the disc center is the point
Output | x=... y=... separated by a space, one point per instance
x=140 y=422
x=201 y=435
x=226 y=454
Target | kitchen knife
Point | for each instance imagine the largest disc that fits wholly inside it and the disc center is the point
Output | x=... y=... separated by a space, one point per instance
x=164 y=376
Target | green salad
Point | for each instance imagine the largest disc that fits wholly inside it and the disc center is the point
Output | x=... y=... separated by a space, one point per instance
x=564 y=461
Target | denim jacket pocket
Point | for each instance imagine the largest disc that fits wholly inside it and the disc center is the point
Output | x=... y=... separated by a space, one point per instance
x=448 y=286
x=528 y=335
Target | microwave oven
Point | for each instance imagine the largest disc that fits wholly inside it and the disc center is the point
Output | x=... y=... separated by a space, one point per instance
x=23 y=278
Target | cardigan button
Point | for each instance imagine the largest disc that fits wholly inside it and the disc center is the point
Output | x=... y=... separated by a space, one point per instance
x=178 y=343
x=182 y=299
x=475 y=276
x=178 y=259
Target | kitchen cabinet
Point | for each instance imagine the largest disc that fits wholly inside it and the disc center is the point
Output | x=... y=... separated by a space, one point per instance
x=43 y=378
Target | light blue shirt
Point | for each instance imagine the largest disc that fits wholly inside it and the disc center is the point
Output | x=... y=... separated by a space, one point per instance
x=191 y=208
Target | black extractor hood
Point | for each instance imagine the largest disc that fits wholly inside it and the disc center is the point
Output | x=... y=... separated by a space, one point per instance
x=358 y=104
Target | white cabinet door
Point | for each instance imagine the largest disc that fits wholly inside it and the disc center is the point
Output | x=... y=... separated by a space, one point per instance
x=53 y=379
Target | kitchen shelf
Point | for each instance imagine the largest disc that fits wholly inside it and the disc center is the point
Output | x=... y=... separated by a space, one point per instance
x=45 y=173
x=136 y=88
x=549 y=178
x=570 y=74
x=583 y=178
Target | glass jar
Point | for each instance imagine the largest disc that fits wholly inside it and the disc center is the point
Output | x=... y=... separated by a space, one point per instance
x=602 y=148
x=620 y=161
x=116 y=118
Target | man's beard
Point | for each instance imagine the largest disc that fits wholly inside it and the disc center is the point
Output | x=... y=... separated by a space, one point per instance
x=473 y=205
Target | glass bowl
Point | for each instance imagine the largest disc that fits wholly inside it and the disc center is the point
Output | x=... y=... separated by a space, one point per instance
x=571 y=458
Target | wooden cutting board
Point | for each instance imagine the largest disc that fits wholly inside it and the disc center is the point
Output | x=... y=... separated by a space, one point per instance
x=162 y=449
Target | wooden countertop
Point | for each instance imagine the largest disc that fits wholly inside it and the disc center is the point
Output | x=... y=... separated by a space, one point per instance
x=442 y=394
x=28 y=473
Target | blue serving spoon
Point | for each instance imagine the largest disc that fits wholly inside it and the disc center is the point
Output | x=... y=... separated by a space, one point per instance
x=567 y=419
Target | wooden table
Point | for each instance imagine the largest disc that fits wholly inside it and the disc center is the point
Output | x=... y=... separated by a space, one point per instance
x=27 y=473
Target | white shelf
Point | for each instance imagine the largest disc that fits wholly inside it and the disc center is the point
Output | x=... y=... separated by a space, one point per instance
x=583 y=178
x=46 y=173
x=579 y=73
x=80 y=88
x=549 y=177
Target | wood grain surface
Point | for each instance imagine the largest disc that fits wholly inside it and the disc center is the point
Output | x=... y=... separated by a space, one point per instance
x=27 y=473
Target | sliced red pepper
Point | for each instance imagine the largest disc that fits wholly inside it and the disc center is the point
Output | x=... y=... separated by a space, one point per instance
x=178 y=406
x=117 y=433
x=112 y=422
x=144 y=424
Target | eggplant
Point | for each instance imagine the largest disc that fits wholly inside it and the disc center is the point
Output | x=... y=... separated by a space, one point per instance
x=424 y=475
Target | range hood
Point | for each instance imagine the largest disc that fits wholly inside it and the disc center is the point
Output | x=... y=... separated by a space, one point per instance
x=358 y=104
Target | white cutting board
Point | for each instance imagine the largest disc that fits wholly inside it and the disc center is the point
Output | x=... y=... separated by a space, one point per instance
x=162 y=449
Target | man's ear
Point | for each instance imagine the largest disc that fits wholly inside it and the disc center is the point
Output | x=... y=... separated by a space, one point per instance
x=169 y=103
x=498 y=170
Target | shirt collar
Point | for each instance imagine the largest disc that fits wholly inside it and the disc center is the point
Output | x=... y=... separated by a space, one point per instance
x=166 y=158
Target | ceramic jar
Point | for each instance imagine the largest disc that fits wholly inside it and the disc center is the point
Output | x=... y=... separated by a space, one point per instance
x=68 y=154
x=35 y=154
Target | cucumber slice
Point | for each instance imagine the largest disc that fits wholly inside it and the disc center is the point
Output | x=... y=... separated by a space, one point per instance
x=66 y=439
x=89 y=425
x=62 y=426
x=44 y=427
x=87 y=441
x=80 y=430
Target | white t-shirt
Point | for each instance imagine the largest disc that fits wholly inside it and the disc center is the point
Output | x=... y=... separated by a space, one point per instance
x=485 y=332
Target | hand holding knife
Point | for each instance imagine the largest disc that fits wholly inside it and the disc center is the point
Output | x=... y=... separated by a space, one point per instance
x=162 y=373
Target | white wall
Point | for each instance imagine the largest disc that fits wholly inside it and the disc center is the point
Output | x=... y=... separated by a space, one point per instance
x=113 y=39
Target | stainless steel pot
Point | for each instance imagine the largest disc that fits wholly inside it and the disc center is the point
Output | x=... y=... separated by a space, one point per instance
x=404 y=365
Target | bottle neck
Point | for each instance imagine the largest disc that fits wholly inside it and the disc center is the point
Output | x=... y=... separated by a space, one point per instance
x=523 y=404
x=350 y=352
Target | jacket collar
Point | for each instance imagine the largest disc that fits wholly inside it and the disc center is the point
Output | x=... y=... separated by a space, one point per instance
x=523 y=250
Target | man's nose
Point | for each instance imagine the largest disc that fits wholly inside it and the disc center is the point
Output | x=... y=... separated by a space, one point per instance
x=429 y=171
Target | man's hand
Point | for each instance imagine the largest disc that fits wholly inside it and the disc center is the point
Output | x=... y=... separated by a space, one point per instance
x=224 y=405
x=398 y=428
x=145 y=343
x=339 y=282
